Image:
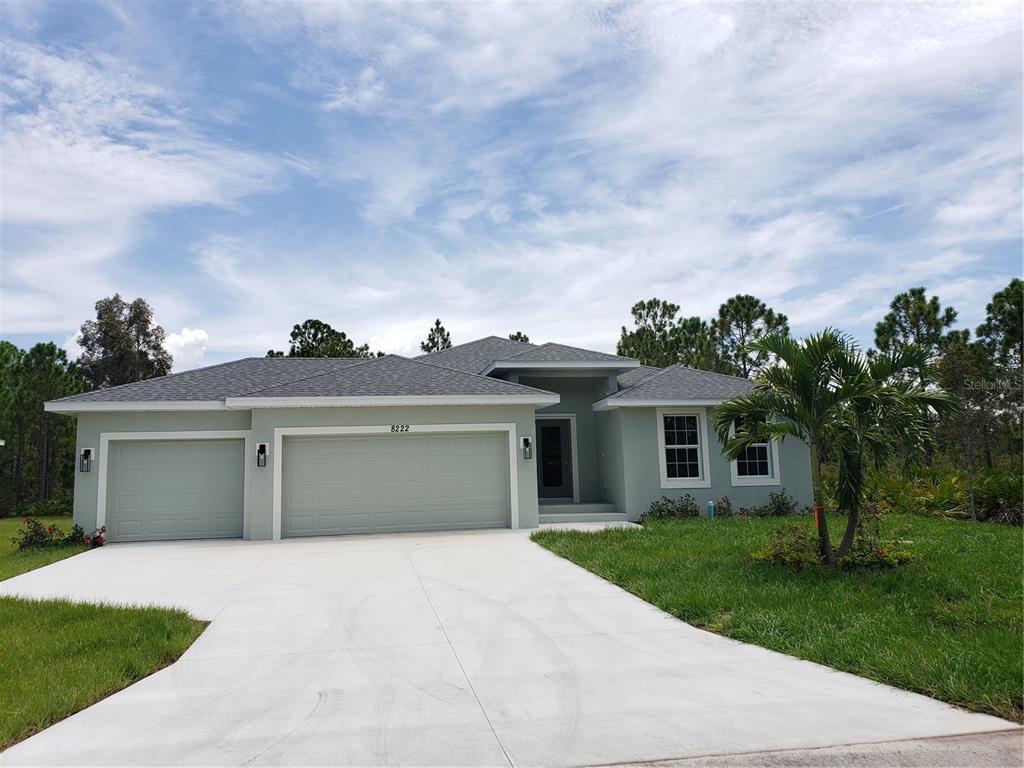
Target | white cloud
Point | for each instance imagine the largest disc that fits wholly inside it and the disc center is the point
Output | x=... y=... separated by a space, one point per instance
x=89 y=149
x=537 y=167
x=188 y=347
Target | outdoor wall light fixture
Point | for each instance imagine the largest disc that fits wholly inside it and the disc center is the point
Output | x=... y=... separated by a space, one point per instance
x=261 y=454
x=85 y=460
x=527 y=448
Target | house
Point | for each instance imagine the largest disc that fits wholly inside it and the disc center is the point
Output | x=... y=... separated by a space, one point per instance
x=490 y=434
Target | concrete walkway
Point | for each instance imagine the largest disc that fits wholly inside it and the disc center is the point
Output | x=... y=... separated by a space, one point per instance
x=471 y=648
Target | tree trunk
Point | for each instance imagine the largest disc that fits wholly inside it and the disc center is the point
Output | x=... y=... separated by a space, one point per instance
x=852 y=521
x=828 y=557
x=853 y=514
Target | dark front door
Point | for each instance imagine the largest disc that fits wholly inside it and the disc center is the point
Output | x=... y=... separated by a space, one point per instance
x=554 y=468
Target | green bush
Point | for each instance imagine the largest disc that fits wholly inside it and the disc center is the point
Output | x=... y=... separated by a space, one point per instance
x=666 y=507
x=34 y=534
x=723 y=507
x=60 y=504
x=945 y=493
x=796 y=546
x=780 y=504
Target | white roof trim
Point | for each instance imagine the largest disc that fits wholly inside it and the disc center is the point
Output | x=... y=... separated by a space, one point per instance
x=387 y=400
x=610 y=403
x=563 y=364
x=110 y=406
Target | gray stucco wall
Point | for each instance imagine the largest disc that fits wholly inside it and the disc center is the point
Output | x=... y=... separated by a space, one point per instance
x=610 y=459
x=262 y=423
x=578 y=396
x=90 y=425
x=638 y=429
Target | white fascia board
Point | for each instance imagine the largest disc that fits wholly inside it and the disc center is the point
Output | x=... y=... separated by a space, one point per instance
x=566 y=365
x=377 y=400
x=111 y=406
x=610 y=403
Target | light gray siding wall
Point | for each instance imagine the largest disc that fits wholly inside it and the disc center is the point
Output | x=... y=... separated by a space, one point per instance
x=264 y=421
x=641 y=467
x=90 y=425
x=610 y=457
x=578 y=396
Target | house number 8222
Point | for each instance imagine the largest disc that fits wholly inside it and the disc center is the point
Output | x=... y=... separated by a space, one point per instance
x=399 y=427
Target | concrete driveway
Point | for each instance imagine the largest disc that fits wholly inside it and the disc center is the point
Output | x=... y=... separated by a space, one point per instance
x=472 y=648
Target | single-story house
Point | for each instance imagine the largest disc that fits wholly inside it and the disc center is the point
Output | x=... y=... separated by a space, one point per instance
x=490 y=434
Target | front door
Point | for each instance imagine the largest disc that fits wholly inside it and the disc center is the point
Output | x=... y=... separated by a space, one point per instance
x=554 y=468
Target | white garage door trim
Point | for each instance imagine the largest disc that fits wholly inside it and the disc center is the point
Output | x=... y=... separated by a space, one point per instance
x=386 y=429
x=107 y=437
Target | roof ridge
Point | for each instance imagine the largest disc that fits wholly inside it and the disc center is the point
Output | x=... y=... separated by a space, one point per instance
x=310 y=376
x=469 y=343
x=474 y=375
x=648 y=379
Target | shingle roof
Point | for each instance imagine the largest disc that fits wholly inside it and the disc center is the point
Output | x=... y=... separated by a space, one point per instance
x=394 y=376
x=635 y=375
x=475 y=356
x=678 y=382
x=216 y=382
x=554 y=353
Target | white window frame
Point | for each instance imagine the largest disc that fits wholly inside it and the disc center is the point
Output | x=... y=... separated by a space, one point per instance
x=775 y=471
x=704 y=456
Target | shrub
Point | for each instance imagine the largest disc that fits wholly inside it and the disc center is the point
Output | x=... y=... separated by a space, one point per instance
x=796 y=546
x=59 y=504
x=779 y=504
x=35 y=535
x=792 y=545
x=723 y=507
x=666 y=507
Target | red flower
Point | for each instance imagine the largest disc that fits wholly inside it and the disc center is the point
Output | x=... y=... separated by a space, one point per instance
x=881 y=552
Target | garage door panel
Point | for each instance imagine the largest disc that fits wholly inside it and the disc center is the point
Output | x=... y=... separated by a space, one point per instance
x=175 y=489
x=375 y=484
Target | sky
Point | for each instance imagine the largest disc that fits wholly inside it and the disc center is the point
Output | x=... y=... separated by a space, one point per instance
x=528 y=166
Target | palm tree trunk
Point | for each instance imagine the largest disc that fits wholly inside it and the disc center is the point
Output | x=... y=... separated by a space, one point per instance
x=852 y=521
x=828 y=557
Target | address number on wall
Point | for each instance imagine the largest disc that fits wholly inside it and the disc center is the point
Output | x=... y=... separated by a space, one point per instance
x=399 y=427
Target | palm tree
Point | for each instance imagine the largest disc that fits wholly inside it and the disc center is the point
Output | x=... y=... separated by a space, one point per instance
x=823 y=391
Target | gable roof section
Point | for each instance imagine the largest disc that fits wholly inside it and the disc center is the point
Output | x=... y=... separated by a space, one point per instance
x=304 y=381
x=394 y=380
x=475 y=356
x=678 y=385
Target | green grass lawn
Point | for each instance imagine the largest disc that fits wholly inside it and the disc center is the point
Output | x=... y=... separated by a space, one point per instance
x=13 y=561
x=59 y=657
x=949 y=625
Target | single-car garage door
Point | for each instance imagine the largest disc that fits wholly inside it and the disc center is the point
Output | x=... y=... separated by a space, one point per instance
x=174 y=489
x=387 y=483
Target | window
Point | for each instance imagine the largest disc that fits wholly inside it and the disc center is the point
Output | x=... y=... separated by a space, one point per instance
x=753 y=462
x=757 y=465
x=681 y=446
x=682 y=440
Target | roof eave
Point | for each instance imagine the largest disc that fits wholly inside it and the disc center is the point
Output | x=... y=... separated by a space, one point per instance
x=115 y=406
x=610 y=403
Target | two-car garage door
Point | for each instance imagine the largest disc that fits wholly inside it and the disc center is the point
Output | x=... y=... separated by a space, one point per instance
x=387 y=483
x=194 y=489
